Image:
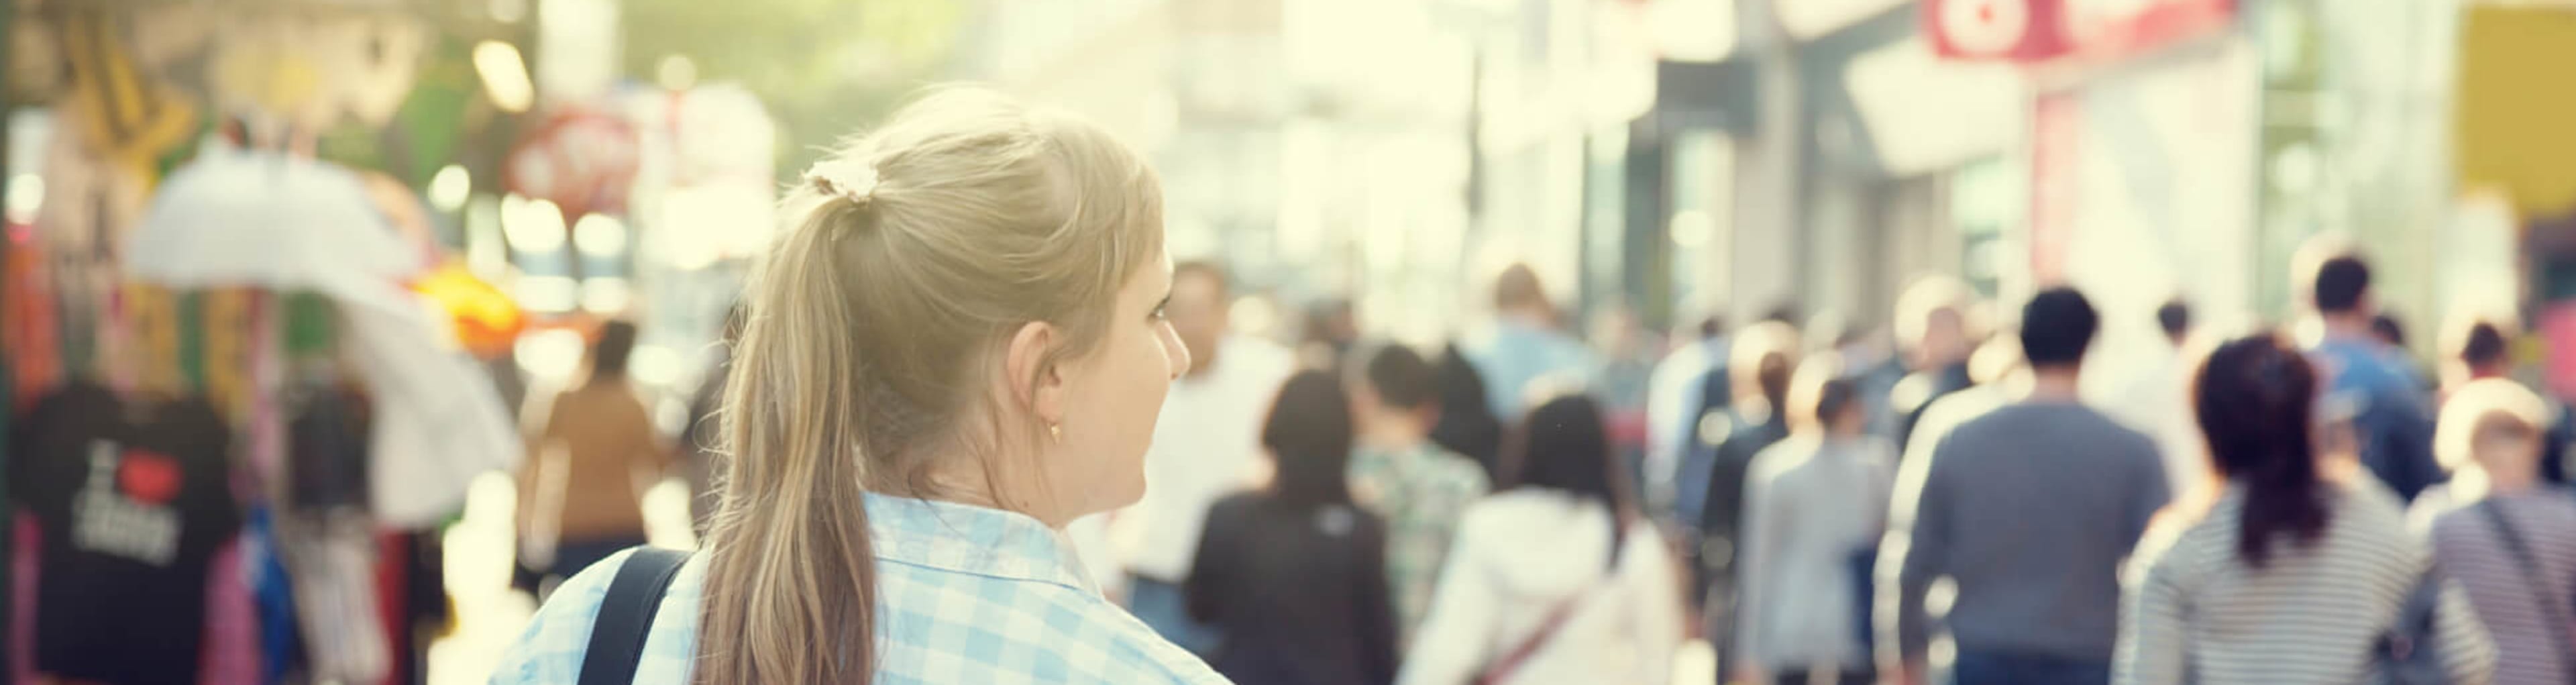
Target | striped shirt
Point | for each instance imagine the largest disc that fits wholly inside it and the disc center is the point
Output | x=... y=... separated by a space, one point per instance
x=964 y=595
x=2516 y=610
x=2197 y=613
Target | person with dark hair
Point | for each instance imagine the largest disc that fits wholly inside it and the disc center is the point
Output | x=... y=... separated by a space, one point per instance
x=1758 y=416
x=1527 y=343
x=1294 y=575
x=2174 y=318
x=2377 y=395
x=1467 y=425
x=2002 y=376
x=1556 y=579
x=2029 y=509
x=2388 y=330
x=1932 y=329
x=2157 y=402
x=2480 y=349
x=1327 y=333
x=2297 y=572
x=1206 y=445
x=1713 y=473
x=591 y=452
x=1814 y=509
x=701 y=445
x=2474 y=349
x=1399 y=474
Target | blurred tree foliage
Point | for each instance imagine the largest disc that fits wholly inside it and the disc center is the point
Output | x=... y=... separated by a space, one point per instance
x=825 y=67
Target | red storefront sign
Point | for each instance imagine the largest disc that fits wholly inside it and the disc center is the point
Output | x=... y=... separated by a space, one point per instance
x=2045 y=30
x=2008 y=30
x=2055 y=184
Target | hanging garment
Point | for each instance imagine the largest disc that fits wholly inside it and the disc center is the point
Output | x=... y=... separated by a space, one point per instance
x=29 y=315
x=232 y=620
x=25 y=552
x=281 y=644
x=327 y=452
x=332 y=558
x=90 y=206
x=132 y=119
x=132 y=507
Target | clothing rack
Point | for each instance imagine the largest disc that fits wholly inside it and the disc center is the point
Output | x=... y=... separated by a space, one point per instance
x=255 y=354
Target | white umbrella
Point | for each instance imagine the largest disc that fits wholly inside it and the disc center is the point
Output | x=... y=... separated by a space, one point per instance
x=256 y=219
x=263 y=219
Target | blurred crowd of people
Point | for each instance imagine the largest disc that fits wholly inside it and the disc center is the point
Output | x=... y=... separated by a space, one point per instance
x=1524 y=506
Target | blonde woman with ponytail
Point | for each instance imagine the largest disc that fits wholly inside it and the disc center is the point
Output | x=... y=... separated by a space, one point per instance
x=957 y=349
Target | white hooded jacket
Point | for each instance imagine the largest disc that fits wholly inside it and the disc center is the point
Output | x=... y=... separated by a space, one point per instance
x=1519 y=557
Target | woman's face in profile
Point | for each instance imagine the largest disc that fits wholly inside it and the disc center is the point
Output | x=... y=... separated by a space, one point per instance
x=1113 y=397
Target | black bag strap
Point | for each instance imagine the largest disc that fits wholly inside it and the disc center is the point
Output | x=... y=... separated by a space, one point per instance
x=2551 y=610
x=626 y=616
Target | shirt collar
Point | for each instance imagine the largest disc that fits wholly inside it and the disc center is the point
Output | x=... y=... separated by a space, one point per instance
x=1401 y=458
x=970 y=539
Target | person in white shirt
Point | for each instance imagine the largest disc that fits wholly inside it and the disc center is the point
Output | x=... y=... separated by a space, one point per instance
x=1674 y=402
x=1206 y=445
x=2156 y=402
x=1556 y=579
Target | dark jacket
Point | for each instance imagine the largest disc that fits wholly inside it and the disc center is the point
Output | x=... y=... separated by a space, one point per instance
x=1724 y=509
x=1299 y=592
x=1916 y=394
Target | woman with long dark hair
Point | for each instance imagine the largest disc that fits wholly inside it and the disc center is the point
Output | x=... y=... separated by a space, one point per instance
x=1294 y=575
x=1555 y=579
x=2301 y=571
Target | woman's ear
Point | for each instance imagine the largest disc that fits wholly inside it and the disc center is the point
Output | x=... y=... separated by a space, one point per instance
x=1035 y=382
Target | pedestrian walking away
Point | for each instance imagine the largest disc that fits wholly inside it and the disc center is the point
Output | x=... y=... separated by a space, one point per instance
x=2301 y=569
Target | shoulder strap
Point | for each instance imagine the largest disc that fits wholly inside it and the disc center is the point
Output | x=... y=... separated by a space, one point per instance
x=2551 y=610
x=1510 y=662
x=626 y=616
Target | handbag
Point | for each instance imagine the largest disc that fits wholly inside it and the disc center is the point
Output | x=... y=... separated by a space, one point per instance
x=2408 y=653
x=2553 y=611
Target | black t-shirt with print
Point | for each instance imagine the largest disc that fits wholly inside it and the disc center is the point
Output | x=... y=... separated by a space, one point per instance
x=133 y=506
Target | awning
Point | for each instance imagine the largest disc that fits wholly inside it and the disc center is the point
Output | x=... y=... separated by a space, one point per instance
x=1924 y=113
x=1720 y=95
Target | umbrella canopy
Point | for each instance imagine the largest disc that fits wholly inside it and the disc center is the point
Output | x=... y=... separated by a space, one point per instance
x=263 y=219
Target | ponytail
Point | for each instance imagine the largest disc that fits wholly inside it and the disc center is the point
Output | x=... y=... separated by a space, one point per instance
x=2256 y=400
x=792 y=578
x=865 y=352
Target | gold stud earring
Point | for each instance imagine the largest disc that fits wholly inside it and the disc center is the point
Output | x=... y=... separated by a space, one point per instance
x=1056 y=430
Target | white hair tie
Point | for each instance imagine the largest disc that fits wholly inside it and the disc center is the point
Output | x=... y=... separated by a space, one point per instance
x=854 y=180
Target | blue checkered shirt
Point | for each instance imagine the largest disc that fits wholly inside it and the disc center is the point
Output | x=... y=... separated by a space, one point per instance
x=965 y=595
